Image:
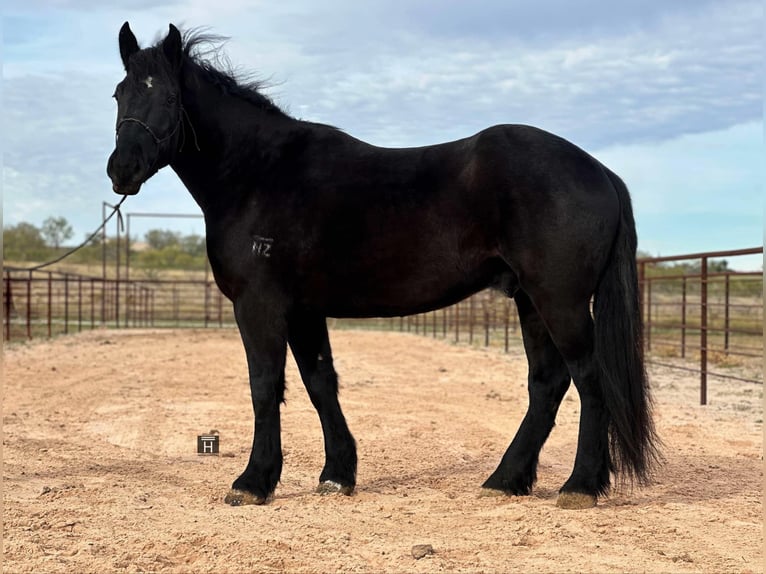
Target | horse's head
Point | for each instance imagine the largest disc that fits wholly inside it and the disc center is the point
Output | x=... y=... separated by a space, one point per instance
x=149 y=111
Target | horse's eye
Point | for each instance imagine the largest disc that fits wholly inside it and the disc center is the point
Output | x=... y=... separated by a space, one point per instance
x=172 y=99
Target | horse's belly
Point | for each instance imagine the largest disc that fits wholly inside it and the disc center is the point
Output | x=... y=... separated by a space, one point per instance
x=387 y=294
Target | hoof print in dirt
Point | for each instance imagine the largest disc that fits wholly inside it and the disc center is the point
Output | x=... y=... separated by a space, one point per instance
x=331 y=487
x=575 y=501
x=242 y=498
x=421 y=551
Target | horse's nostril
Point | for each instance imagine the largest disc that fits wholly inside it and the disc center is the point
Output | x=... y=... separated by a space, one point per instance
x=125 y=168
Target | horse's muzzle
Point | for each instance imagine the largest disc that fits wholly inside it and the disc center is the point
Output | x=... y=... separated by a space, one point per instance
x=126 y=189
x=127 y=174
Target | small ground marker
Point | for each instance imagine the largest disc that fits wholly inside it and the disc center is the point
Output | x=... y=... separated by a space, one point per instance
x=208 y=444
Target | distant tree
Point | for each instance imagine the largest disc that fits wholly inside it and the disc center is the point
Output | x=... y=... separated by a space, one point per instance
x=193 y=245
x=171 y=250
x=23 y=242
x=171 y=257
x=720 y=266
x=56 y=230
x=162 y=238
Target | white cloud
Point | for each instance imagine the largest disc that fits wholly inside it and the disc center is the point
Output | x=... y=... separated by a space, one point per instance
x=691 y=72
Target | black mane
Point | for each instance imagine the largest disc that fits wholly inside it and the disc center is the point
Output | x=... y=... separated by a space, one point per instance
x=202 y=51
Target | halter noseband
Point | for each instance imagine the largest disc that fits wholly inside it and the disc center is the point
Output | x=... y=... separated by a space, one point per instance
x=156 y=139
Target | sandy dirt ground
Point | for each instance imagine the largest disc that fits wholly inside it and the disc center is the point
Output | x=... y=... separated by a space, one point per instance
x=100 y=471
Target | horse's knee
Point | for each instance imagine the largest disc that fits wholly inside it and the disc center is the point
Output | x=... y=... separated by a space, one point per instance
x=266 y=393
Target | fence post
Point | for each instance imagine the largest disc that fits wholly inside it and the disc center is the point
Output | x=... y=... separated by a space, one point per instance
x=144 y=301
x=683 y=318
x=486 y=327
x=79 y=304
x=457 y=322
x=106 y=302
x=50 y=304
x=648 y=322
x=66 y=303
x=103 y=295
x=444 y=323
x=127 y=253
x=8 y=300
x=703 y=332
x=175 y=305
x=493 y=306
x=726 y=313
x=128 y=306
x=470 y=320
x=92 y=305
x=220 y=309
x=136 y=304
x=29 y=306
x=207 y=302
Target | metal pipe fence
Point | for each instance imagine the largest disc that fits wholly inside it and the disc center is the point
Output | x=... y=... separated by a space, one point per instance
x=697 y=316
x=49 y=303
x=711 y=319
x=487 y=319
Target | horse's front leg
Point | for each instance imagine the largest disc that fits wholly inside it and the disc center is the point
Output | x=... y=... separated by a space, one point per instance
x=264 y=334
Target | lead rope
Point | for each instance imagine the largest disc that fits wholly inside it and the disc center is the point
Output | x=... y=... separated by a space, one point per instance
x=183 y=130
x=116 y=210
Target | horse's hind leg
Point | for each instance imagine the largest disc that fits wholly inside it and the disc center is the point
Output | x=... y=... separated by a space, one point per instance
x=571 y=327
x=548 y=381
x=310 y=344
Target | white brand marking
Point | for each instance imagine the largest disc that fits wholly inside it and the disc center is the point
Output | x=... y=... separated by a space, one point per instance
x=262 y=246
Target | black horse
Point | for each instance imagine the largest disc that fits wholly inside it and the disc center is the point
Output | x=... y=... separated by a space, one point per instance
x=305 y=222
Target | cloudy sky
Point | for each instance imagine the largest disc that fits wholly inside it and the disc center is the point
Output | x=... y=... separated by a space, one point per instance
x=667 y=93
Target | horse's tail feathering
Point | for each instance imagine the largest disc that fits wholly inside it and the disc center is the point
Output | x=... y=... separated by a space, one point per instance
x=633 y=442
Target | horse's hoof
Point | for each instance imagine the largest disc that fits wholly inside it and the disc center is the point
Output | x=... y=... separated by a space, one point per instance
x=240 y=498
x=332 y=487
x=575 y=500
x=486 y=492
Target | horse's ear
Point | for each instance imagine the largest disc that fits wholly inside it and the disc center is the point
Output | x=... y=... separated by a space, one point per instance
x=128 y=44
x=172 y=47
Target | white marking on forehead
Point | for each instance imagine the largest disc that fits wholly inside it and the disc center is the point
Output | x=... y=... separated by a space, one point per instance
x=148 y=81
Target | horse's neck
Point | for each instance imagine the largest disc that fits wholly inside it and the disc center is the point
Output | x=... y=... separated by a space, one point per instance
x=225 y=142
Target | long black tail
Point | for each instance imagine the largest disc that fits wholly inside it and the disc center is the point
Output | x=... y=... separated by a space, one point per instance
x=633 y=442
